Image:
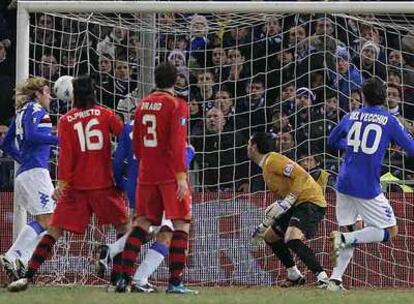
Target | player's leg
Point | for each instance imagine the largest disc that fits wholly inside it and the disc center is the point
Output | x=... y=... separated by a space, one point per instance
x=180 y=214
x=153 y=258
x=178 y=257
x=71 y=214
x=379 y=218
x=33 y=192
x=346 y=216
x=342 y=261
x=303 y=223
x=148 y=211
x=274 y=238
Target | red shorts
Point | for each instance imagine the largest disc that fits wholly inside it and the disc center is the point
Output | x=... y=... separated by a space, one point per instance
x=152 y=200
x=73 y=211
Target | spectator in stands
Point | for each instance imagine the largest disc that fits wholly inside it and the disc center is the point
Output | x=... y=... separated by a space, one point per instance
x=239 y=71
x=398 y=61
x=181 y=85
x=219 y=64
x=279 y=122
x=285 y=144
x=105 y=80
x=312 y=164
x=225 y=102
x=48 y=67
x=6 y=62
x=221 y=155
x=355 y=100
x=288 y=98
x=198 y=39
x=113 y=44
x=177 y=58
x=269 y=43
x=394 y=99
x=204 y=92
x=346 y=79
x=252 y=108
x=368 y=62
x=45 y=35
x=239 y=37
x=123 y=83
x=307 y=119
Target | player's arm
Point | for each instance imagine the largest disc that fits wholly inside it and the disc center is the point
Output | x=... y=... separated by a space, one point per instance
x=120 y=155
x=337 y=137
x=178 y=139
x=31 y=129
x=65 y=159
x=136 y=137
x=401 y=137
x=189 y=154
x=9 y=146
x=115 y=124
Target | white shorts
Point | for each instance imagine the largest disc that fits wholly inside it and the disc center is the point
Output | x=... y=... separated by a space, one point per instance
x=376 y=212
x=34 y=189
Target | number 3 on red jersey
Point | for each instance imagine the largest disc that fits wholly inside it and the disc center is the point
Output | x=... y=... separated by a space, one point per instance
x=150 y=139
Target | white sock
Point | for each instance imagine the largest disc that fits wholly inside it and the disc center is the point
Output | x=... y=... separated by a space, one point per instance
x=293 y=273
x=118 y=246
x=366 y=235
x=26 y=242
x=345 y=256
x=152 y=260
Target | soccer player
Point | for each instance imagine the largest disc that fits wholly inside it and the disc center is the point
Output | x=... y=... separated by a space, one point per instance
x=85 y=181
x=295 y=215
x=159 y=140
x=364 y=135
x=28 y=142
x=125 y=159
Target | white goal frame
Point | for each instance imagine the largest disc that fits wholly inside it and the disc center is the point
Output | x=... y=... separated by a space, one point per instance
x=25 y=7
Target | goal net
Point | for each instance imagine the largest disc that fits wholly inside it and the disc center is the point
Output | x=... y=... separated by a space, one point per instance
x=294 y=75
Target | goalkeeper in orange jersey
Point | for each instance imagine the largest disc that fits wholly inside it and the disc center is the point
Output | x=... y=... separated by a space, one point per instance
x=296 y=213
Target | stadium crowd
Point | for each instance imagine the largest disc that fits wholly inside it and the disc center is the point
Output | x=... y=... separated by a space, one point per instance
x=293 y=75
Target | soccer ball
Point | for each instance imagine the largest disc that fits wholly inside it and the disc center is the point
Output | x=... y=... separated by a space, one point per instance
x=64 y=88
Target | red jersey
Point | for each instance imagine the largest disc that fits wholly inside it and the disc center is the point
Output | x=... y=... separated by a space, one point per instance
x=159 y=137
x=85 y=147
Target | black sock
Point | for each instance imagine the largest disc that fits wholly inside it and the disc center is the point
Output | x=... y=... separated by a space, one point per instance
x=306 y=255
x=280 y=249
x=116 y=264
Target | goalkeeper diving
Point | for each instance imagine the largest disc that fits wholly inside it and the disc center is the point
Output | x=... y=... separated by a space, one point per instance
x=296 y=213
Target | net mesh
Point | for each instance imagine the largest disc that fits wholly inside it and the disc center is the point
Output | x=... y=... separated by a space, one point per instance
x=293 y=75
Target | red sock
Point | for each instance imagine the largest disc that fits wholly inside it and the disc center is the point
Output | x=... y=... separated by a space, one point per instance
x=116 y=263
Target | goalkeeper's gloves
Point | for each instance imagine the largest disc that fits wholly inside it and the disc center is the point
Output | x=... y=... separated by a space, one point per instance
x=258 y=233
x=280 y=206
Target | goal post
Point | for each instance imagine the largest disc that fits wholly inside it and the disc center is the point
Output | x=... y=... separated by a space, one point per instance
x=107 y=38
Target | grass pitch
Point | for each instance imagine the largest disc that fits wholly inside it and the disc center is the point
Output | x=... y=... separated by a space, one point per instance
x=211 y=295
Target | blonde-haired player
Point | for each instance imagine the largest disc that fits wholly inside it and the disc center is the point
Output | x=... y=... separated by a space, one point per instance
x=28 y=142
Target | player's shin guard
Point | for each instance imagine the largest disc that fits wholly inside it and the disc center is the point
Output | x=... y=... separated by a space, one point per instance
x=306 y=255
x=132 y=249
x=41 y=253
x=116 y=263
x=178 y=254
x=280 y=249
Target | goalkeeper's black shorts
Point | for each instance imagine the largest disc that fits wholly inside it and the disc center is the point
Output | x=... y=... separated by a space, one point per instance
x=305 y=216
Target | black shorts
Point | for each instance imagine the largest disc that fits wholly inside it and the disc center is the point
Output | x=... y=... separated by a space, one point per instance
x=305 y=216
